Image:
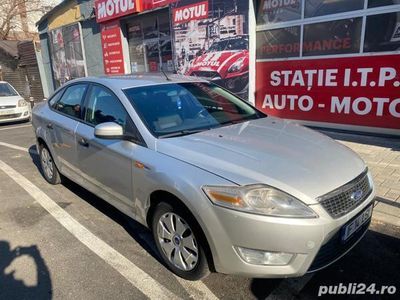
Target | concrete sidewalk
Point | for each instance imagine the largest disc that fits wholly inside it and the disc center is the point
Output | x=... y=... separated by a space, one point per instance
x=382 y=155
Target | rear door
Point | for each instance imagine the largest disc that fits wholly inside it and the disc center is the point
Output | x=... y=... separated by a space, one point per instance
x=106 y=165
x=65 y=114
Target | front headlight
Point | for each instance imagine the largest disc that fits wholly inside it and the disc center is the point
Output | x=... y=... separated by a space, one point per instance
x=237 y=65
x=259 y=199
x=22 y=103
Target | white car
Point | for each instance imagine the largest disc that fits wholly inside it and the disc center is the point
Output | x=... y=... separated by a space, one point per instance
x=12 y=106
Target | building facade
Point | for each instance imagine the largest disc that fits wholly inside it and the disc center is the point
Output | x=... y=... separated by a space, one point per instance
x=19 y=66
x=321 y=62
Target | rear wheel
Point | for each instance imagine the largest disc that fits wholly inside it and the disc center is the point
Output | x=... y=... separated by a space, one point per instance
x=50 y=171
x=179 y=243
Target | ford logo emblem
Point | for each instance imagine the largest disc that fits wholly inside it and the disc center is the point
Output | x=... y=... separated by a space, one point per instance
x=357 y=195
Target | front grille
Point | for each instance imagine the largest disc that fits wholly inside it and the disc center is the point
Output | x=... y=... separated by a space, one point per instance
x=335 y=248
x=12 y=116
x=341 y=201
x=7 y=106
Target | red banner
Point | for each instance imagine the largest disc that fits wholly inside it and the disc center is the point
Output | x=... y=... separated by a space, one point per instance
x=360 y=91
x=112 y=9
x=195 y=11
x=112 y=48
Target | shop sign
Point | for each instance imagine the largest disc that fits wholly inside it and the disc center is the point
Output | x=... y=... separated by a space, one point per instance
x=195 y=11
x=355 y=90
x=151 y=4
x=112 y=48
x=112 y=9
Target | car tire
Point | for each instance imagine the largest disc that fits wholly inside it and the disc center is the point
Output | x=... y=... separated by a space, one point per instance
x=179 y=241
x=49 y=168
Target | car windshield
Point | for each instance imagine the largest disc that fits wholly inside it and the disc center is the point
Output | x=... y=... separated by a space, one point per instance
x=229 y=44
x=7 y=90
x=176 y=109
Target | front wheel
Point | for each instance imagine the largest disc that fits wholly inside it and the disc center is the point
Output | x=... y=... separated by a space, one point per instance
x=179 y=243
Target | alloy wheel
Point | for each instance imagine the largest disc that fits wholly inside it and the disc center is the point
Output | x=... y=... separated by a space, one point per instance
x=177 y=241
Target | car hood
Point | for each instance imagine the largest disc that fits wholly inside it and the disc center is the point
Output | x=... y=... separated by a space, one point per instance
x=279 y=153
x=9 y=100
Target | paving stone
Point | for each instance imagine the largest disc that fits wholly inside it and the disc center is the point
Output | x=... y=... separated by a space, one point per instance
x=393 y=194
x=388 y=209
x=381 y=191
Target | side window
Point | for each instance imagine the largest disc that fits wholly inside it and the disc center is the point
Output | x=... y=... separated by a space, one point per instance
x=55 y=98
x=70 y=102
x=103 y=106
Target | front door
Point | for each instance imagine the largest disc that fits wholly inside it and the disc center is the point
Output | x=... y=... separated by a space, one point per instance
x=106 y=165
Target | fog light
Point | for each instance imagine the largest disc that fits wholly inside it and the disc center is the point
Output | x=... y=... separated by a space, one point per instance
x=259 y=257
x=26 y=113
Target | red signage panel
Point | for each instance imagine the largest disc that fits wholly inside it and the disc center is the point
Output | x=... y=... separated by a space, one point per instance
x=111 y=9
x=150 y=4
x=112 y=48
x=363 y=91
x=195 y=11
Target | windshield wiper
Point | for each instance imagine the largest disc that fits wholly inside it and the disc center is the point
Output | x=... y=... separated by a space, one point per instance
x=244 y=119
x=183 y=132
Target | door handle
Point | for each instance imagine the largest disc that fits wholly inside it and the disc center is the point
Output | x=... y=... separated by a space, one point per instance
x=49 y=126
x=83 y=142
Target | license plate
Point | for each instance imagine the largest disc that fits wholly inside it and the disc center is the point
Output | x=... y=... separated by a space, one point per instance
x=6 y=112
x=354 y=225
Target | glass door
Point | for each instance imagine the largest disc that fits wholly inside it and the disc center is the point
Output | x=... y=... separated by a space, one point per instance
x=149 y=39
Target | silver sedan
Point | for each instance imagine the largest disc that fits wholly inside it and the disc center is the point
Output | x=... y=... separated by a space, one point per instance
x=222 y=186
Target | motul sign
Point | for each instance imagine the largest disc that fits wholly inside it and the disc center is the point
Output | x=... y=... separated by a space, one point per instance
x=190 y=12
x=111 y=9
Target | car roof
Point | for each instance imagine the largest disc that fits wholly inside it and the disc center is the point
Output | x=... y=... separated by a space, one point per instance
x=137 y=80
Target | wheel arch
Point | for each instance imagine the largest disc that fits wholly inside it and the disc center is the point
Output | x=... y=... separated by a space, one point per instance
x=159 y=196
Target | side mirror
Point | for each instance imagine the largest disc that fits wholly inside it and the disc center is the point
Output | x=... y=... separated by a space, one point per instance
x=109 y=130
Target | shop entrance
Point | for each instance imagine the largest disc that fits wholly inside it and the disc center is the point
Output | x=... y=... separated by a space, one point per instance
x=149 y=39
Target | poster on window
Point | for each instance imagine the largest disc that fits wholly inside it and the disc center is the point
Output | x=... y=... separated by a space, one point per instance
x=211 y=41
x=66 y=54
x=353 y=90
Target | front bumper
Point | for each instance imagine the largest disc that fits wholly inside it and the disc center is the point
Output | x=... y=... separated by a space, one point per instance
x=308 y=239
x=15 y=114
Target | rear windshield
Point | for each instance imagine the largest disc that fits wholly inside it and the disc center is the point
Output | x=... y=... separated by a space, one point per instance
x=182 y=108
x=7 y=90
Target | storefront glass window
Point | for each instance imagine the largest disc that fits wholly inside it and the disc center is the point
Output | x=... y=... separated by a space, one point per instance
x=278 y=43
x=315 y=8
x=335 y=37
x=275 y=11
x=136 y=47
x=149 y=40
x=66 y=54
x=382 y=33
x=376 y=3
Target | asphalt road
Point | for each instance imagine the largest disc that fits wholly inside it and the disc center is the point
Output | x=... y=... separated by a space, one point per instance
x=63 y=242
